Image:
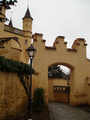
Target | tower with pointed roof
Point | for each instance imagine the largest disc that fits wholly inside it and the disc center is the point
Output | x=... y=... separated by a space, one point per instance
x=10 y=23
x=27 y=24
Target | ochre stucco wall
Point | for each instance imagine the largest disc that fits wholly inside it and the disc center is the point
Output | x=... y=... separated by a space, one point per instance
x=74 y=58
x=11 y=90
x=13 y=99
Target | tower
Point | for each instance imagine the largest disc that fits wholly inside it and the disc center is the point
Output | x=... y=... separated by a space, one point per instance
x=10 y=23
x=27 y=25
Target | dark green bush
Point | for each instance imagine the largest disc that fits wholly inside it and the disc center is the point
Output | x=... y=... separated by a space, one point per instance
x=21 y=69
x=8 y=65
x=38 y=99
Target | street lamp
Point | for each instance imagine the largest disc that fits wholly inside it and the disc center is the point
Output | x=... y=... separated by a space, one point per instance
x=68 y=89
x=30 y=51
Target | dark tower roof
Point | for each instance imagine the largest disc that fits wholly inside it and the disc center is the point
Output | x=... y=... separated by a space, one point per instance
x=27 y=14
x=10 y=23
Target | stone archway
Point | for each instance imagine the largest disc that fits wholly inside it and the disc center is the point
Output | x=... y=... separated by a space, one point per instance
x=59 y=87
x=74 y=58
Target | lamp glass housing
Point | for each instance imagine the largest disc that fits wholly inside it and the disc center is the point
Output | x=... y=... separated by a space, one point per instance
x=31 y=53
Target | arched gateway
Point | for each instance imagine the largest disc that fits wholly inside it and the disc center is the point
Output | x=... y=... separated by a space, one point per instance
x=59 y=82
x=13 y=45
x=74 y=58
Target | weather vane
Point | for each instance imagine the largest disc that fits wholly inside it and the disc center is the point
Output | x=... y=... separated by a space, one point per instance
x=28 y=3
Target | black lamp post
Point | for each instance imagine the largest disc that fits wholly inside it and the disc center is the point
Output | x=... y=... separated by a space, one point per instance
x=68 y=89
x=30 y=51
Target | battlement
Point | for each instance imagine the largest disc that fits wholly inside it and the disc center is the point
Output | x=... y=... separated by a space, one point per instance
x=38 y=40
x=36 y=36
x=58 y=39
x=59 y=43
x=13 y=45
x=78 y=42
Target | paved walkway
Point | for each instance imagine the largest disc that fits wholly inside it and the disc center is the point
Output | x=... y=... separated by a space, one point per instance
x=59 y=111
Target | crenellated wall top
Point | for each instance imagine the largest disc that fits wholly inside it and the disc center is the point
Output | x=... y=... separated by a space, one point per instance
x=78 y=42
x=36 y=36
x=59 y=43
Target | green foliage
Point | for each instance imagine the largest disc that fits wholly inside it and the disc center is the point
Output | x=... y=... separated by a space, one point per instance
x=22 y=69
x=7 y=65
x=38 y=99
x=56 y=72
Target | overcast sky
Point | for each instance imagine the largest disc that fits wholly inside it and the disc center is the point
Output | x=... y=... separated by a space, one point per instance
x=70 y=18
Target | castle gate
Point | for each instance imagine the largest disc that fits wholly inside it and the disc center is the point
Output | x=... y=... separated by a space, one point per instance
x=59 y=83
x=61 y=93
x=74 y=58
x=13 y=45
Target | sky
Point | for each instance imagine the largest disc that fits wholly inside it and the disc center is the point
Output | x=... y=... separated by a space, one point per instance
x=69 y=18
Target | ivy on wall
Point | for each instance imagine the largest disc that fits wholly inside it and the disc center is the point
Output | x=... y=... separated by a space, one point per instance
x=22 y=69
x=7 y=65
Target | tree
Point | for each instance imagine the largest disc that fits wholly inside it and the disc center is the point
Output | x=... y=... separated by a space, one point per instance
x=6 y=4
x=55 y=71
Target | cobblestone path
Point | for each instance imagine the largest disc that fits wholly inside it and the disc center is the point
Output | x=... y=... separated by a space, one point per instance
x=59 y=111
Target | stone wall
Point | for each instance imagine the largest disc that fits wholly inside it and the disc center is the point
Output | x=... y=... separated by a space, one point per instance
x=13 y=99
x=74 y=58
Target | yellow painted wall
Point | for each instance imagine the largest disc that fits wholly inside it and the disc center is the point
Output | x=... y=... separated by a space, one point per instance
x=74 y=58
x=13 y=99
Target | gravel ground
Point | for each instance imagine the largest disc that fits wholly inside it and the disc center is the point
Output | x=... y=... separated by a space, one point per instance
x=59 y=111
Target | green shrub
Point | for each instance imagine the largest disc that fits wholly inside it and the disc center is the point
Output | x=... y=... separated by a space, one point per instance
x=38 y=99
x=21 y=69
x=8 y=65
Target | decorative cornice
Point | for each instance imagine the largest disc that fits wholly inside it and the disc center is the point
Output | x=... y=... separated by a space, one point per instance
x=17 y=49
x=13 y=30
x=3 y=40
